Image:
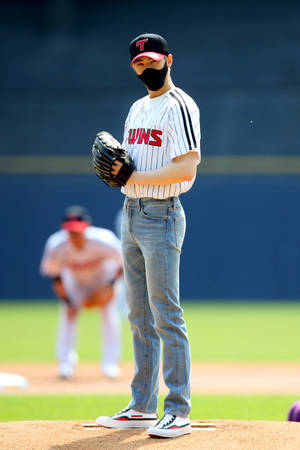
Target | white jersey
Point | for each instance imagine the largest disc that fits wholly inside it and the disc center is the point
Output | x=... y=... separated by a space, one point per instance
x=101 y=255
x=156 y=131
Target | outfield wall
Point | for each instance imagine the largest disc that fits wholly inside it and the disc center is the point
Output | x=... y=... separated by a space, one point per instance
x=242 y=238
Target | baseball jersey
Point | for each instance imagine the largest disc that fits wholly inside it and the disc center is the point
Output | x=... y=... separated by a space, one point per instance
x=101 y=253
x=156 y=131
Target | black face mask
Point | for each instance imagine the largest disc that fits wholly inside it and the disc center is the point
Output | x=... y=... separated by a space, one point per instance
x=154 y=79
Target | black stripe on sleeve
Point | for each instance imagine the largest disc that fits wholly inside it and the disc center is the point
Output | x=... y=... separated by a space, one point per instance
x=184 y=119
x=189 y=119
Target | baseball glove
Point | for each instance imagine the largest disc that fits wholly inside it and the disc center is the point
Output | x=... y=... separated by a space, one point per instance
x=106 y=149
x=100 y=298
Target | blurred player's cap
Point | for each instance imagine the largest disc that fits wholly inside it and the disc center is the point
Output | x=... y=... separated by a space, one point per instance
x=148 y=44
x=76 y=219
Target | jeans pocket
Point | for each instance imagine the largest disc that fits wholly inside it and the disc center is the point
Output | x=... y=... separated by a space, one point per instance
x=155 y=213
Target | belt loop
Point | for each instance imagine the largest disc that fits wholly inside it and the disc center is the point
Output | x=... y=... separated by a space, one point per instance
x=140 y=204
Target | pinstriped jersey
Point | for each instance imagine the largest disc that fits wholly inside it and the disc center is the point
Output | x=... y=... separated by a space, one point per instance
x=156 y=131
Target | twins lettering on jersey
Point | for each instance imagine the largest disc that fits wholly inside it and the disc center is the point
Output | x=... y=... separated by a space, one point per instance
x=145 y=136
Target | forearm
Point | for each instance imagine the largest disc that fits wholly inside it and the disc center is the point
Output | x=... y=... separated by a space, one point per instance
x=116 y=276
x=175 y=172
x=59 y=290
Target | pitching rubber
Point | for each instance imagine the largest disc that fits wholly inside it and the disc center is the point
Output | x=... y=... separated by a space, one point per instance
x=294 y=412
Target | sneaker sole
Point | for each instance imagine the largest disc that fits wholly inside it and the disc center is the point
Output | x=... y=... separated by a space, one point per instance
x=169 y=433
x=65 y=377
x=111 y=423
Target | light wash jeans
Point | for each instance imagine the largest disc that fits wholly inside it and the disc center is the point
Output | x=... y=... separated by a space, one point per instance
x=152 y=237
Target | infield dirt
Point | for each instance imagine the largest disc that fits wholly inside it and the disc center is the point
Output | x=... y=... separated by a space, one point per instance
x=223 y=378
x=206 y=378
x=71 y=435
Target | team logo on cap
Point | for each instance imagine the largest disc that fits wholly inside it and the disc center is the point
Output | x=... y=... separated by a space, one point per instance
x=141 y=44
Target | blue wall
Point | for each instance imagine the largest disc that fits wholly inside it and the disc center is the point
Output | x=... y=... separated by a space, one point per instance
x=242 y=238
x=65 y=76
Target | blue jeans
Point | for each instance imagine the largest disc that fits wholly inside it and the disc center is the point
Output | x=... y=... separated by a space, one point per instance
x=152 y=237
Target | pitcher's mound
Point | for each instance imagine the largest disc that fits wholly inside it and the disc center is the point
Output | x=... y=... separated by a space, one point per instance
x=206 y=435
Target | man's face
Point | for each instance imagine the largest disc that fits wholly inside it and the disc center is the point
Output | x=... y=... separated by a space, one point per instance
x=143 y=62
x=77 y=239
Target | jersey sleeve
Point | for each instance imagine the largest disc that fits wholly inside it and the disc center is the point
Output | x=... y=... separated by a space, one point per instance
x=51 y=264
x=126 y=126
x=184 y=127
x=131 y=112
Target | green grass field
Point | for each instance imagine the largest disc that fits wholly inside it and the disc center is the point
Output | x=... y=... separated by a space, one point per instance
x=88 y=407
x=218 y=332
x=233 y=332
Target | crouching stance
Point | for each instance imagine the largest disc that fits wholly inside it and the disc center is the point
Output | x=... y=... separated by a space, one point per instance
x=85 y=265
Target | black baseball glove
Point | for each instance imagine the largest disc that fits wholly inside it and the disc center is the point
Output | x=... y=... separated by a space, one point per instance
x=106 y=149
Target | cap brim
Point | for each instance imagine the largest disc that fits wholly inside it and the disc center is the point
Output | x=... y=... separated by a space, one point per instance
x=152 y=55
x=77 y=226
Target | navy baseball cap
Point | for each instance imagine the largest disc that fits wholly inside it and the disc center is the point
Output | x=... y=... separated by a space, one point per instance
x=148 y=44
x=76 y=219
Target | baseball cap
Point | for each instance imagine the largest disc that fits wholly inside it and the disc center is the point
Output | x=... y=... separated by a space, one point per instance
x=76 y=219
x=148 y=44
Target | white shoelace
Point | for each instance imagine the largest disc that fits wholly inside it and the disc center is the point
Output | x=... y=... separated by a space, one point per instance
x=122 y=411
x=166 y=420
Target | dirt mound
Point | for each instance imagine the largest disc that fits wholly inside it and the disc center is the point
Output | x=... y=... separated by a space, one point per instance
x=225 y=435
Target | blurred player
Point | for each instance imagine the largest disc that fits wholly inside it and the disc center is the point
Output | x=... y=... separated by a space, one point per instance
x=85 y=265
